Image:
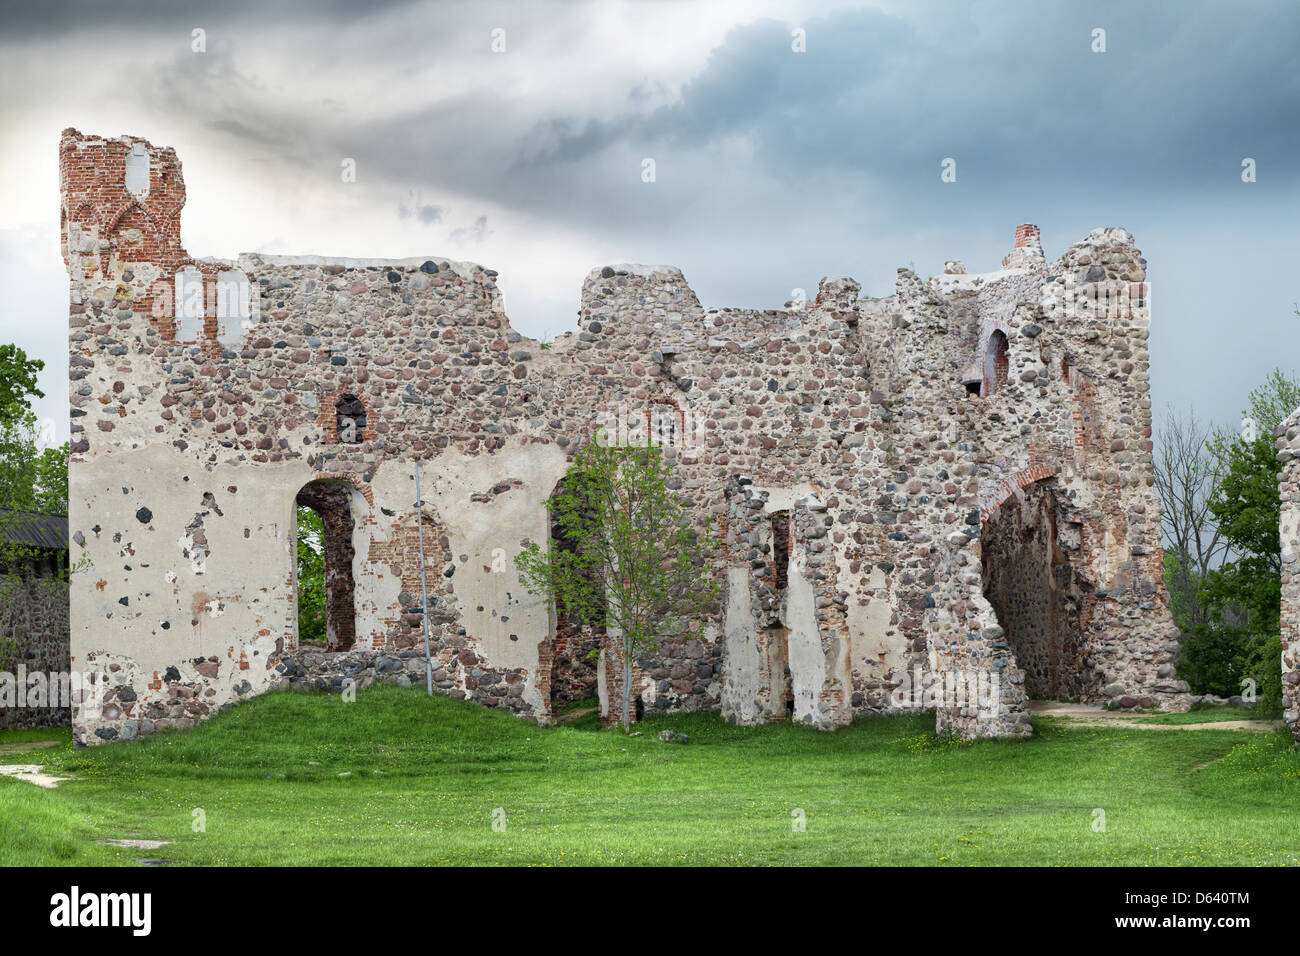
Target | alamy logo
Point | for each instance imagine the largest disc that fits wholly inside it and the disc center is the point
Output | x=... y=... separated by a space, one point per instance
x=73 y=909
x=22 y=689
x=956 y=688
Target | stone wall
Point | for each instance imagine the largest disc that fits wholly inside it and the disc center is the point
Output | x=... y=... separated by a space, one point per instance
x=847 y=423
x=1288 y=452
x=33 y=637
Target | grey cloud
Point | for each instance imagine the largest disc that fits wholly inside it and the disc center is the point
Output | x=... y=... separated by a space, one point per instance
x=773 y=167
x=426 y=213
x=53 y=17
x=1011 y=94
x=472 y=234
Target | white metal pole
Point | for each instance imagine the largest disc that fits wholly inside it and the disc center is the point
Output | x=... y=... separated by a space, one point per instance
x=424 y=588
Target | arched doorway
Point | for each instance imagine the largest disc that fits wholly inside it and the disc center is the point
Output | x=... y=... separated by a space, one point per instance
x=325 y=590
x=1037 y=594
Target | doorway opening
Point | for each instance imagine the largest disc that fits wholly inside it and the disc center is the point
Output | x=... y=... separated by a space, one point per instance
x=326 y=598
x=1038 y=596
x=576 y=649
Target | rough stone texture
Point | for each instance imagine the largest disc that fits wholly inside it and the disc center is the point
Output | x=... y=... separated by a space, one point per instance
x=1288 y=452
x=853 y=451
x=34 y=630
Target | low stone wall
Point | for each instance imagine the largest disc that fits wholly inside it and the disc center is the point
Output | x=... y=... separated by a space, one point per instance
x=33 y=636
x=463 y=677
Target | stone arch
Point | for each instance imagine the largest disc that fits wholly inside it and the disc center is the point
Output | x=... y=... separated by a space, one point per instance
x=127 y=212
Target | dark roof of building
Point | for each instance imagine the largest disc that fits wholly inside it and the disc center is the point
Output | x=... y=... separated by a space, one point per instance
x=34 y=530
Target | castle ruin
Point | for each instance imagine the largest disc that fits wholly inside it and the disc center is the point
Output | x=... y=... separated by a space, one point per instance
x=942 y=490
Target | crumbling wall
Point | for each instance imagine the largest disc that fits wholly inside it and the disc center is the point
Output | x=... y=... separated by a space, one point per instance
x=188 y=457
x=853 y=417
x=1288 y=453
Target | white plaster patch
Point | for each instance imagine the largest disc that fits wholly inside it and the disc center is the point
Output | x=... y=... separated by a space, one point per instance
x=807 y=660
x=137 y=171
x=742 y=691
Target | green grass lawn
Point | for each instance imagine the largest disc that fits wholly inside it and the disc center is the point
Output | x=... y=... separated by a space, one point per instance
x=1208 y=715
x=398 y=778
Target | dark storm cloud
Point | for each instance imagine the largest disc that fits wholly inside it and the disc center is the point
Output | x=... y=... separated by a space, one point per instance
x=774 y=167
x=1013 y=92
x=62 y=17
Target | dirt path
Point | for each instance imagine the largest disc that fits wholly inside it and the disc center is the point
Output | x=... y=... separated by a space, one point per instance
x=7 y=749
x=31 y=772
x=1087 y=715
x=575 y=714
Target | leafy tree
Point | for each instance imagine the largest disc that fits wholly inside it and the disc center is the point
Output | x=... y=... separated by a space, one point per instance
x=17 y=382
x=311 y=577
x=31 y=479
x=1243 y=596
x=50 y=492
x=1213 y=661
x=634 y=563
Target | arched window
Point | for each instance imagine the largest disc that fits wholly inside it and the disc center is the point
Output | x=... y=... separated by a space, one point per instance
x=351 y=416
x=996 y=362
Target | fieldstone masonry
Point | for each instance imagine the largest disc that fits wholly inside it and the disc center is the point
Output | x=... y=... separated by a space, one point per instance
x=875 y=466
x=33 y=640
x=1288 y=452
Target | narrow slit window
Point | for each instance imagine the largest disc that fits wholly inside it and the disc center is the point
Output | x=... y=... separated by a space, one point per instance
x=780 y=549
x=351 y=417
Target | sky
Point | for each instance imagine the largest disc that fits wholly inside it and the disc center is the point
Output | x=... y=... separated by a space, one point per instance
x=517 y=136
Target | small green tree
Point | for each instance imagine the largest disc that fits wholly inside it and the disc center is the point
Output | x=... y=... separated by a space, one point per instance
x=635 y=564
